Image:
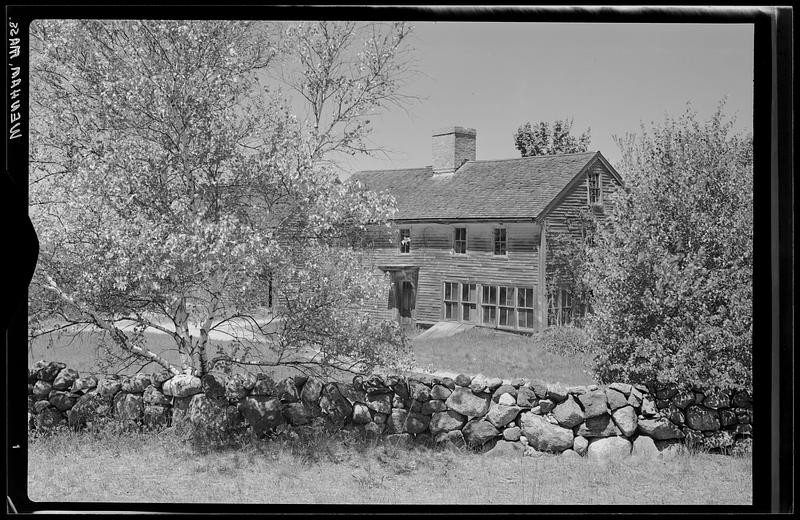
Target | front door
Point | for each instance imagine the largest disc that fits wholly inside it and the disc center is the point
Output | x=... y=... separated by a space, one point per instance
x=406 y=302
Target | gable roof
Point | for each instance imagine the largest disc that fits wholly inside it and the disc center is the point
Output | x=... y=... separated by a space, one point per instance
x=505 y=189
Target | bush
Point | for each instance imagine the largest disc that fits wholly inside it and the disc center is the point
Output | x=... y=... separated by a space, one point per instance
x=563 y=341
x=671 y=272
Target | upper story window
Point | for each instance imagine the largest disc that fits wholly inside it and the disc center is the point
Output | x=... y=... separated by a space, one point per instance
x=460 y=241
x=500 y=241
x=595 y=193
x=405 y=240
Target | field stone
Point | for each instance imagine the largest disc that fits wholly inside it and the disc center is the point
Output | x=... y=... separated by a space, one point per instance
x=500 y=415
x=287 y=390
x=702 y=418
x=623 y=388
x=448 y=383
x=667 y=392
x=507 y=400
x=264 y=385
x=546 y=405
x=84 y=411
x=397 y=421
x=419 y=391
x=42 y=389
x=539 y=388
x=727 y=418
x=361 y=414
x=659 y=429
x=135 y=384
x=526 y=398
x=213 y=384
x=609 y=448
x=446 y=421
x=159 y=378
x=380 y=418
x=512 y=434
x=616 y=399
x=49 y=372
x=580 y=445
x=478 y=384
x=503 y=389
x=594 y=403
x=156 y=416
x=48 y=419
x=379 y=402
x=598 y=426
x=644 y=447
x=433 y=406
x=128 y=407
x=648 y=406
x=465 y=402
x=65 y=378
x=333 y=404
x=504 y=449
x=181 y=385
x=626 y=420
x=556 y=392
x=462 y=380
x=568 y=413
x=517 y=382
x=577 y=390
x=440 y=392
x=682 y=399
x=63 y=400
x=297 y=414
x=84 y=384
x=675 y=414
x=207 y=412
x=398 y=402
x=544 y=436
x=235 y=388
x=262 y=412
x=570 y=454
x=635 y=398
x=152 y=396
x=716 y=400
x=373 y=430
x=311 y=391
x=493 y=383
x=417 y=423
x=669 y=449
x=38 y=406
x=478 y=432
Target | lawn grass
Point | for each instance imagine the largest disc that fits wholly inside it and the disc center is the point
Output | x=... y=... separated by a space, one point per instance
x=161 y=467
x=501 y=354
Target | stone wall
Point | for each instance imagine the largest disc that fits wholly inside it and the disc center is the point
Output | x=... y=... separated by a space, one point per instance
x=523 y=415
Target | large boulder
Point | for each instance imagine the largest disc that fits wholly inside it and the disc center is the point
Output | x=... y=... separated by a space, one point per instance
x=598 y=426
x=41 y=390
x=543 y=435
x=504 y=389
x=526 y=398
x=556 y=392
x=433 y=406
x=419 y=391
x=512 y=434
x=213 y=384
x=262 y=412
x=623 y=388
x=159 y=378
x=659 y=429
x=182 y=385
x=361 y=414
x=84 y=411
x=108 y=387
x=616 y=399
x=500 y=415
x=297 y=414
x=580 y=445
x=702 y=418
x=49 y=372
x=208 y=413
x=63 y=400
x=609 y=448
x=397 y=420
x=446 y=421
x=466 y=402
x=626 y=420
x=153 y=397
x=136 y=384
x=65 y=378
x=568 y=413
x=594 y=403
x=379 y=402
x=644 y=447
x=83 y=385
x=478 y=432
x=128 y=407
x=333 y=404
x=287 y=390
x=440 y=392
x=539 y=388
x=311 y=392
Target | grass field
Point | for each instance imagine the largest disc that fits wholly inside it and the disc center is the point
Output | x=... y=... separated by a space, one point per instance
x=80 y=467
x=500 y=354
x=475 y=351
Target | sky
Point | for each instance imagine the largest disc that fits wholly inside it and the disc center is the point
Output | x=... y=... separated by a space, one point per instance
x=495 y=76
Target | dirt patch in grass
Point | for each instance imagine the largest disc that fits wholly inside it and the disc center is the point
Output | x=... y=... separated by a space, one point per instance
x=501 y=354
x=80 y=467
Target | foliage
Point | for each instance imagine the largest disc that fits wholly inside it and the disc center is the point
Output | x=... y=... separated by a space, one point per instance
x=671 y=273
x=563 y=341
x=542 y=139
x=171 y=191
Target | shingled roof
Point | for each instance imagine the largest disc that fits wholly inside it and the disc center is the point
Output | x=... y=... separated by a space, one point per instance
x=504 y=189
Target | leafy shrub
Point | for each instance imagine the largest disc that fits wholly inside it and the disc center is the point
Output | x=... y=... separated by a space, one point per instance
x=563 y=341
x=671 y=272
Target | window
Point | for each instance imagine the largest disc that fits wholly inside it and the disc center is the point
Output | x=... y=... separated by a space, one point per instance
x=525 y=308
x=405 y=240
x=506 y=306
x=594 y=188
x=469 y=301
x=500 y=241
x=560 y=312
x=489 y=305
x=460 y=241
x=450 y=300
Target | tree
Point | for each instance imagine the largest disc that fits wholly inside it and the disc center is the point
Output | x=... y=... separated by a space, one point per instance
x=169 y=190
x=671 y=272
x=540 y=139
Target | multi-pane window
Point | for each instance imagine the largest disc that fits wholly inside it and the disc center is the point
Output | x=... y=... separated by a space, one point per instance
x=489 y=305
x=451 y=300
x=469 y=301
x=405 y=240
x=594 y=188
x=500 y=241
x=525 y=308
x=506 y=301
x=460 y=241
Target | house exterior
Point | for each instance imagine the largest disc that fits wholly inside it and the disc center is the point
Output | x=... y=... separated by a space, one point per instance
x=469 y=240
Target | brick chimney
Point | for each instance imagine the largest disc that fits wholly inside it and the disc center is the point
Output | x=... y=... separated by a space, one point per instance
x=452 y=147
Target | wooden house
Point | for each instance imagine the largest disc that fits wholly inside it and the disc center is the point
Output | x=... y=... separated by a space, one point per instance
x=469 y=237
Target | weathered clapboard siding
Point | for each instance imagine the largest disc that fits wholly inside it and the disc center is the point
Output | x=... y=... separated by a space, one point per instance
x=432 y=252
